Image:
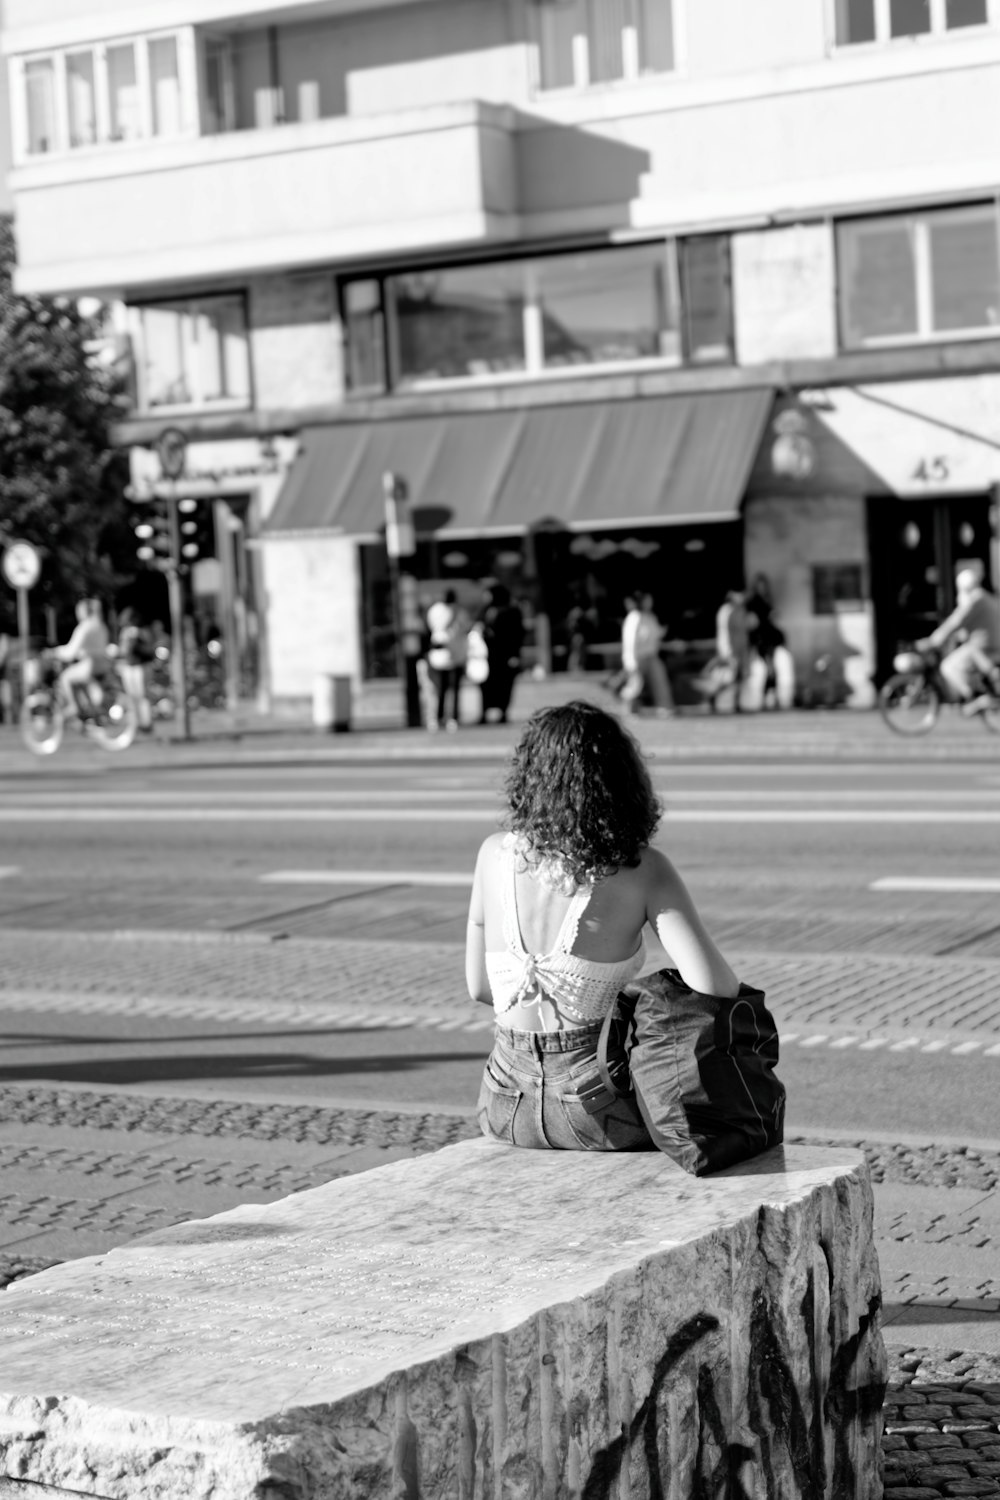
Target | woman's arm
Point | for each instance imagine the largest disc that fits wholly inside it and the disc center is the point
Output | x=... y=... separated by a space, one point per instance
x=671 y=913
x=476 y=978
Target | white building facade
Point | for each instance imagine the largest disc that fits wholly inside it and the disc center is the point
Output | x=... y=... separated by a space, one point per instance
x=632 y=293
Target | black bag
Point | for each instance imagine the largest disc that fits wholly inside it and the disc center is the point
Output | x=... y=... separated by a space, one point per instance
x=701 y=1068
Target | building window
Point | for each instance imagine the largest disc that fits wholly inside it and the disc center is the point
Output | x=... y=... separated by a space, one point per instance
x=919 y=276
x=858 y=21
x=193 y=353
x=601 y=307
x=583 y=42
x=39 y=85
x=624 y=304
x=124 y=100
x=468 y=320
x=706 y=298
x=364 y=329
x=165 y=86
x=81 y=100
x=121 y=92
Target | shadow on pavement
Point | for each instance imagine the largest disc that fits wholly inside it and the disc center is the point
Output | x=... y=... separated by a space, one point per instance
x=232 y=1065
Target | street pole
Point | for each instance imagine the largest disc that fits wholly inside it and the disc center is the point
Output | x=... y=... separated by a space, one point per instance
x=24 y=635
x=400 y=541
x=175 y=590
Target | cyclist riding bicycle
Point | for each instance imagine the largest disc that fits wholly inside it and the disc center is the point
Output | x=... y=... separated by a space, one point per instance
x=86 y=655
x=973 y=660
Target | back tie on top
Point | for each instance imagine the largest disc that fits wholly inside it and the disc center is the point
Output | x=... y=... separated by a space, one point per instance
x=582 y=988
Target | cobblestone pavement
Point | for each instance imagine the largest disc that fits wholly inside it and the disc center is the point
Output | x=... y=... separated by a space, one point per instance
x=839 y=999
x=139 y=1163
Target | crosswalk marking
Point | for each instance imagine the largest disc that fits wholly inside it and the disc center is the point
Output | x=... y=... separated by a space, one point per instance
x=935 y=883
x=368 y=877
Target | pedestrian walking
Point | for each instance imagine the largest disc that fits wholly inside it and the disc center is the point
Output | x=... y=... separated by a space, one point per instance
x=503 y=632
x=448 y=628
x=642 y=636
x=766 y=636
x=559 y=903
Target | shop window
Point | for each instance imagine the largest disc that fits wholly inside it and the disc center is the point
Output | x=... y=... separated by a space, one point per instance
x=193 y=353
x=467 y=320
x=599 y=307
x=39 y=84
x=859 y=21
x=583 y=42
x=837 y=587
x=81 y=103
x=919 y=276
x=706 y=298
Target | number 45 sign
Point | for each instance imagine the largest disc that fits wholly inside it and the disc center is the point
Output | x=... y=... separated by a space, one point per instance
x=22 y=565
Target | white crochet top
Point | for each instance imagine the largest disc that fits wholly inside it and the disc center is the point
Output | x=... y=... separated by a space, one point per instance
x=581 y=988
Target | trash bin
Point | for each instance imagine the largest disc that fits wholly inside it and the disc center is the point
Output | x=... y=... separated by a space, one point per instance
x=331 y=703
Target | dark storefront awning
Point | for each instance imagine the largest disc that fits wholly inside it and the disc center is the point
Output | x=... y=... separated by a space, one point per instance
x=589 y=464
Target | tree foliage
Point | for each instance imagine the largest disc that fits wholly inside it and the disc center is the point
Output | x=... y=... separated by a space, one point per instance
x=61 y=483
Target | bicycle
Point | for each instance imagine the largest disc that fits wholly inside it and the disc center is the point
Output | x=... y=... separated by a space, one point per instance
x=113 y=722
x=910 y=701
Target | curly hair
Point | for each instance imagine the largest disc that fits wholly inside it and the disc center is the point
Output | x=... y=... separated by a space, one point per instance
x=579 y=792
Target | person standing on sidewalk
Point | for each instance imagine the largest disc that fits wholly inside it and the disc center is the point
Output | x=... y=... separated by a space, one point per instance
x=732 y=644
x=642 y=636
x=135 y=652
x=448 y=626
x=503 y=632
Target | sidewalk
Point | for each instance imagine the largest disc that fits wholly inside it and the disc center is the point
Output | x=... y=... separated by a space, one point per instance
x=378 y=730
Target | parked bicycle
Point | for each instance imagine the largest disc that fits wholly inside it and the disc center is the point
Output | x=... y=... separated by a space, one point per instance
x=911 y=700
x=112 y=723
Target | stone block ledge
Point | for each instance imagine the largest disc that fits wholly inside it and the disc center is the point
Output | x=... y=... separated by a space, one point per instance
x=482 y=1323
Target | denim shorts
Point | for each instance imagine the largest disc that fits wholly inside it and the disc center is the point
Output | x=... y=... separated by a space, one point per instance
x=543 y=1089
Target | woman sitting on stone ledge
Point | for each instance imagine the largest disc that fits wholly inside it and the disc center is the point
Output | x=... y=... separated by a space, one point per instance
x=555 y=930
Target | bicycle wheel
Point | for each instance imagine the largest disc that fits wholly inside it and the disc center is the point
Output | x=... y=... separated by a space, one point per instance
x=41 y=723
x=117 y=722
x=991 y=717
x=909 y=704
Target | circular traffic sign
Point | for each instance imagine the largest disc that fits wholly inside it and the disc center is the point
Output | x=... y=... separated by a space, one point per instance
x=171 y=450
x=22 y=565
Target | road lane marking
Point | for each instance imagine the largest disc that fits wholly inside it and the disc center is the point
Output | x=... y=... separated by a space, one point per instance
x=844 y=1041
x=964 y=1048
x=336 y=797
x=993 y=1051
x=367 y=877
x=936 y=1046
x=906 y=1044
x=873 y=1042
x=935 y=883
x=8 y=870
x=185 y=813
x=814 y=1041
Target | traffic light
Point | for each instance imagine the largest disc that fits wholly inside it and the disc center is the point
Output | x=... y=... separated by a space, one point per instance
x=197 y=529
x=150 y=522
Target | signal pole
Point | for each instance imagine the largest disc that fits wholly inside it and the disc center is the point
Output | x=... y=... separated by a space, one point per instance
x=171 y=450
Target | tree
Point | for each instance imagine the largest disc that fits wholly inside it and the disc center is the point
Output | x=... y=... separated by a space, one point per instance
x=61 y=482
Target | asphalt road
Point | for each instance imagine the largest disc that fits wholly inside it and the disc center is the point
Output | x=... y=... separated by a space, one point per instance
x=105 y=866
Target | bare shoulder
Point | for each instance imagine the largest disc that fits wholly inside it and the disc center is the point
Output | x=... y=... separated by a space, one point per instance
x=489 y=851
x=658 y=873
